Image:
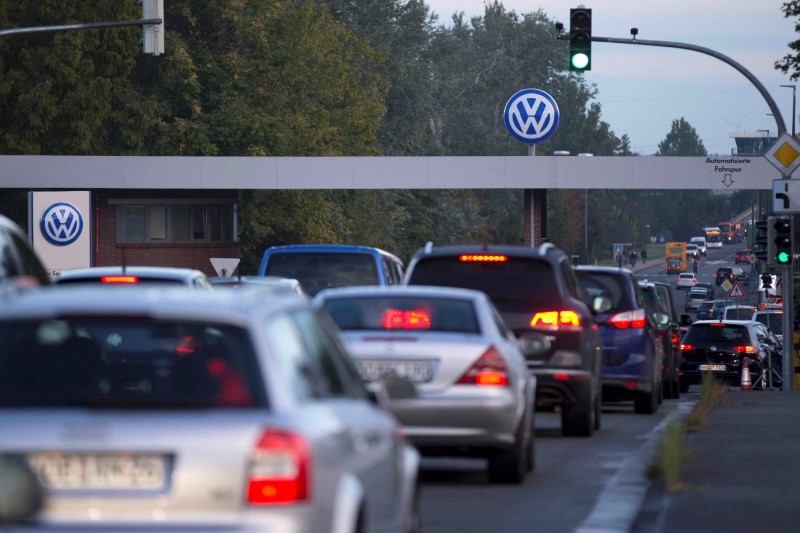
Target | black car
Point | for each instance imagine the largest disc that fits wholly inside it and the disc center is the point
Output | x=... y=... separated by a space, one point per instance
x=672 y=342
x=732 y=274
x=538 y=296
x=19 y=264
x=720 y=347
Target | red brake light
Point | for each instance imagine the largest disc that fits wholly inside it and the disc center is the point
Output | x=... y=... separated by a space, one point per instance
x=279 y=469
x=119 y=279
x=635 y=319
x=409 y=319
x=482 y=258
x=556 y=320
x=489 y=370
x=745 y=349
x=686 y=347
x=187 y=345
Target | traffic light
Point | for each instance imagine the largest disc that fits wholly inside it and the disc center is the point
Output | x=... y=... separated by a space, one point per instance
x=153 y=38
x=580 y=39
x=783 y=241
x=760 y=240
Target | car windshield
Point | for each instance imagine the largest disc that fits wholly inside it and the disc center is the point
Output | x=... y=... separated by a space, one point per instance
x=403 y=313
x=319 y=270
x=720 y=334
x=515 y=285
x=127 y=363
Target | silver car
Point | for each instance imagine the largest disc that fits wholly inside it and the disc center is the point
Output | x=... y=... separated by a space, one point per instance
x=474 y=394
x=132 y=275
x=189 y=410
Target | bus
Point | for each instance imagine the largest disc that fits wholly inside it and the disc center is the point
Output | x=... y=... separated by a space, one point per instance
x=675 y=256
x=713 y=237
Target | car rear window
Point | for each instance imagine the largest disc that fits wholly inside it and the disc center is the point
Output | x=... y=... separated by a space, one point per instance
x=320 y=270
x=127 y=363
x=514 y=285
x=403 y=314
x=721 y=334
x=612 y=286
x=740 y=313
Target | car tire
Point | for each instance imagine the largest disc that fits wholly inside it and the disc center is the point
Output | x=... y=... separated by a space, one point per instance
x=646 y=403
x=577 y=419
x=511 y=464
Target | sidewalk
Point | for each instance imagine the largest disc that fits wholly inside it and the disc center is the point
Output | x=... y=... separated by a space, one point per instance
x=743 y=471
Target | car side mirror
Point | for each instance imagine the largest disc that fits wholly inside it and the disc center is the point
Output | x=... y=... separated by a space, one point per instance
x=601 y=304
x=532 y=344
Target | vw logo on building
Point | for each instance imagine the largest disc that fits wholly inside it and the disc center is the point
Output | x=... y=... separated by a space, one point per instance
x=61 y=224
x=531 y=116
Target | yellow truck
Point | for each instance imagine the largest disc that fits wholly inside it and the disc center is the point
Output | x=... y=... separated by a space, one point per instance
x=675 y=254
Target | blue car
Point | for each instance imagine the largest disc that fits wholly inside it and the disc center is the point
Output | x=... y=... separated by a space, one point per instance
x=711 y=310
x=632 y=349
x=322 y=266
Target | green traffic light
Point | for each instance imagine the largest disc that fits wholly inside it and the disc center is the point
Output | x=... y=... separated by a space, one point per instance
x=580 y=60
x=783 y=258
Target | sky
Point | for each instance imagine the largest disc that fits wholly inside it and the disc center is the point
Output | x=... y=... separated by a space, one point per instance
x=643 y=89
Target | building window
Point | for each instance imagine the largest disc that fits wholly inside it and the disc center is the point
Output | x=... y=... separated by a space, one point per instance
x=153 y=223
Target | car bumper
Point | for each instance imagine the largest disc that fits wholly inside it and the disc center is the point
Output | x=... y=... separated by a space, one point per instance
x=560 y=386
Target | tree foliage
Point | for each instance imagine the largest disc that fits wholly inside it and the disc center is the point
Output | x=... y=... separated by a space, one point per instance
x=682 y=140
x=790 y=63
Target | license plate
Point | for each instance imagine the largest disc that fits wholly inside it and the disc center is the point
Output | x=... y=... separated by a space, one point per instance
x=100 y=471
x=414 y=371
x=713 y=368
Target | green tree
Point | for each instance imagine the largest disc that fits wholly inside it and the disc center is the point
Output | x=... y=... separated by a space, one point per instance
x=682 y=140
x=790 y=63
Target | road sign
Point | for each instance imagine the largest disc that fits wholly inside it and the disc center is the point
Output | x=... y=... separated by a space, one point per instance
x=224 y=266
x=786 y=196
x=784 y=154
x=726 y=285
x=736 y=291
x=531 y=116
x=752 y=258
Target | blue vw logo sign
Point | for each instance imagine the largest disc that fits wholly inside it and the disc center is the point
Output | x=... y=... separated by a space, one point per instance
x=61 y=224
x=531 y=116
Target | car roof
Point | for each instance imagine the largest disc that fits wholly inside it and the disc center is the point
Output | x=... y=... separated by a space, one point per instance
x=142 y=300
x=331 y=248
x=400 y=290
x=167 y=273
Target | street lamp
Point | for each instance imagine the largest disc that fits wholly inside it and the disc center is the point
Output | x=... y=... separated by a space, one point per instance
x=648 y=239
x=794 y=104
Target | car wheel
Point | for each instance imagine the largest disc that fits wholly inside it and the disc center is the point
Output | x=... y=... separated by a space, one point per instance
x=511 y=464
x=646 y=403
x=577 y=419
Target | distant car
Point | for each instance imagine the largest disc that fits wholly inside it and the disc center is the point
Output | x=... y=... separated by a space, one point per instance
x=710 y=289
x=135 y=275
x=738 y=312
x=743 y=256
x=702 y=247
x=188 y=410
x=692 y=251
x=720 y=348
x=288 y=285
x=711 y=310
x=732 y=274
x=537 y=293
x=474 y=393
x=686 y=280
x=694 y=298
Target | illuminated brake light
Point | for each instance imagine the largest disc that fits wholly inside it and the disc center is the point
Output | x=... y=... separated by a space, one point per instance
x=687 y=347
x=279 y=469
x=744 y=349
x=119 y=279
x=635 y=319
x=409 y=319
x=187 y=345
x=556 y=320
x=482 y=258
x=489 y=370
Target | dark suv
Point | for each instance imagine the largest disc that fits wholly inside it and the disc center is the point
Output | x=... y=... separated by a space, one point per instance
x=538 y=296
x=732 y=274
x=672 y=342
x=632 y=349
x=19 y=264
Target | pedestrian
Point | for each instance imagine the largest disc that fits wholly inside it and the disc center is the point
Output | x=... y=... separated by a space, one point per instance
x=619 y=259
x=694 y=265
x=644 y=255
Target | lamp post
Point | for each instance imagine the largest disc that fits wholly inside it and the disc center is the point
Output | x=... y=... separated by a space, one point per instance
x=794 y=104
x=648 y=239
x=764 y=142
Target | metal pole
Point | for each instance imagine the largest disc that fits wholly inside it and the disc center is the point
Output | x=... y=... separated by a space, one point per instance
x=794 y=104
x=80 y=26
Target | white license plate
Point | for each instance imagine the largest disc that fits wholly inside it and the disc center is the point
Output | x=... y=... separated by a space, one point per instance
x=100 y=471
x=414 y=371
x=713 y=368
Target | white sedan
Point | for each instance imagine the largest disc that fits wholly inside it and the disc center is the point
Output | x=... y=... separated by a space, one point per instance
x=686 y=280
x=474 y=394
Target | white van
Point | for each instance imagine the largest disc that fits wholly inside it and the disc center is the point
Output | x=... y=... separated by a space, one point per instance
x=701 y=245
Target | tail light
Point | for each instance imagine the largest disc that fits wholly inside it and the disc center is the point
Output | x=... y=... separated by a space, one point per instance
x=629 y=319
x=279 y=469
x=686 y=347
x=675 y=339
x=556 y=320
x=744 y=349
x=489 y=370
x=119 y=279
